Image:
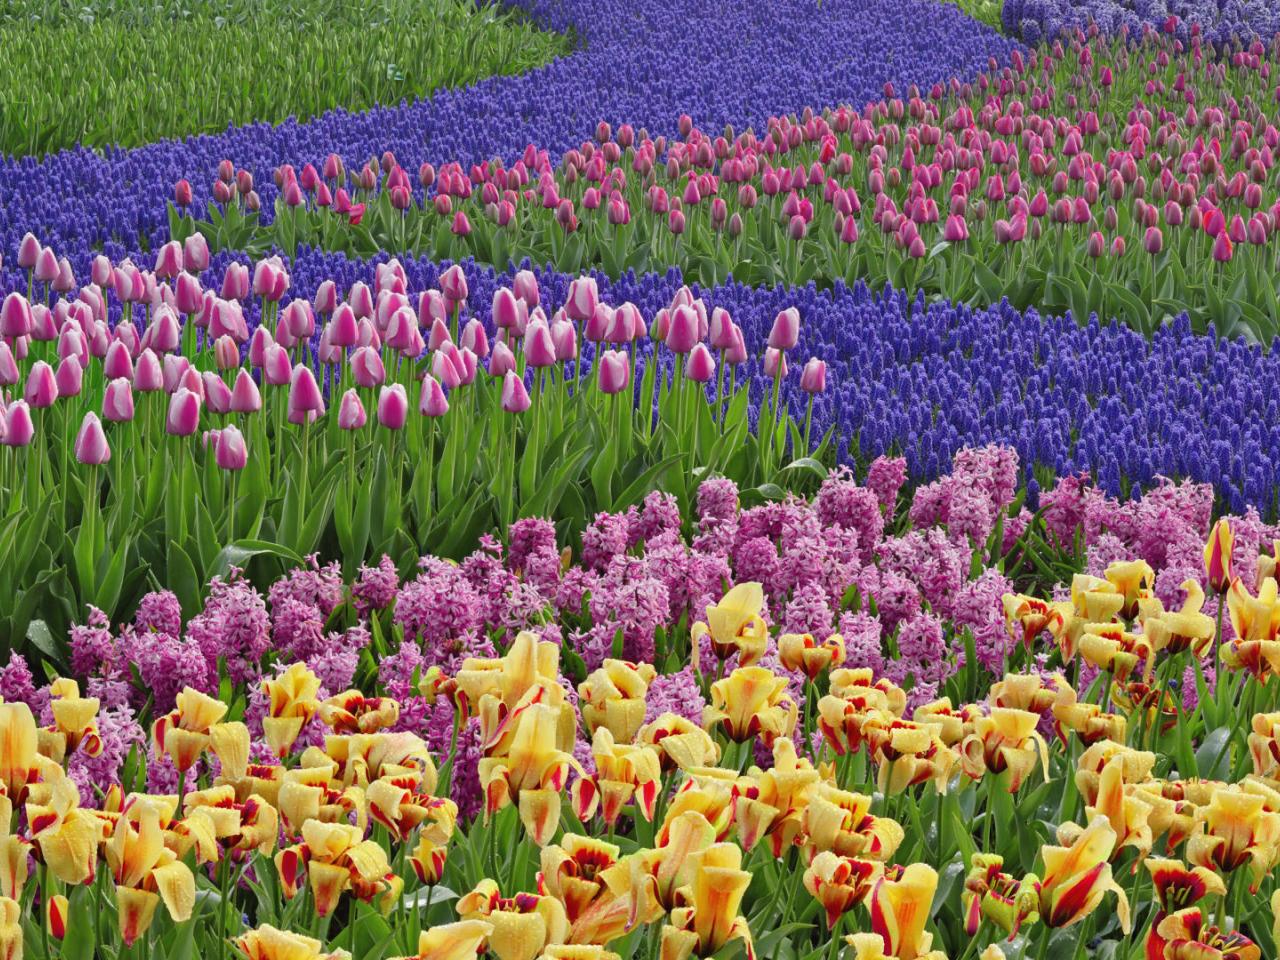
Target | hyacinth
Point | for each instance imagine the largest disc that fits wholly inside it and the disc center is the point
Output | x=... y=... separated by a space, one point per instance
x=375 y=588
x=234 y=626
x=438 y=605
x=160 y=611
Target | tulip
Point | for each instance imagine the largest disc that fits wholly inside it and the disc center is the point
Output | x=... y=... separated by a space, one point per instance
x=393 y=406
x=431 y=400
x=539 y=348
x=268 y=943
x=453 y=284
x=582 y=299
x=1222 y=248
x=515 y=398
x=42 y=387
x=751 y=702
x=18 y=426
x=525 y=287
x=169 y=260
x=1077 y=877
x=91 y=446
x=235 y=282
x=785 y=332
x=518 y=928
x=682 y=333
x=700 y=365
x=117 y=402
x=351 y=415
x=775 y=364
x=306 y=403
x=614 y=372
x=140 y=864
x=838 y=883
x=15 y=316
x=1217 y=556
x=184 y=413
x=813 y=378
x=711 y=919
x=69 y=377
x=367 y=368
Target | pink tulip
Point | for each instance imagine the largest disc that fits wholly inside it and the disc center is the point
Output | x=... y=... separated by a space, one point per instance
x=326 y=299
x=539 y=348
x=169 y=260
x=192 y=380
x=431 y=400
x=276 y=367
x=565 y=338
x=344 y=330
x=69 y=377
x=515 y=398
x=66 y=280
x=614 y=373
x=582 y=299
x=467 y=365
x=216 y=392
x=195 y=253
x=525 y=287
x=148 y=374
x=393 y=406
x=258 y=344
x=28 y=252
x=184 y=413
x=226 y=354
x=270 y=279
x=91 y=447
x=46 y=270
x=117 y=401
x=1222 y=248
x=42 y=386
x=188 y=294
x=501 y=361
x=813 y=378
x=446 y=367
x=175 y=368
x=474 y=338
x=453 y=284
x=700 y=366
x=15 y=316
x=245 y=397
x=785 y=333
x=235 y=282
x=9 y=374
x=360 y=297
x=597 y=326
x=367 y=368
x=775 y=363
x=682 y=333
x=18 y=426
x=230 y=452
x=505 y=309
x=305 y=400
x=351 y=415
x=438 y=336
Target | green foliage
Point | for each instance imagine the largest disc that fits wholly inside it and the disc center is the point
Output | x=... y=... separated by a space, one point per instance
x=987 y=11
x=195 y=67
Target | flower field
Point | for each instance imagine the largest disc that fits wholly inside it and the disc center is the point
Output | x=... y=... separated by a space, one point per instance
x=588 y=482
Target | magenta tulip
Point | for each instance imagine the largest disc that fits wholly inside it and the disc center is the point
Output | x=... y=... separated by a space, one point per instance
x=230 y=452
x=501 y=361
x=515 y=398
x=277 y=370
x=184 y=413
x=18 y=426
x=235 y=282
x=785 y=333
x=432 y=401
x=367 y=368
x=453 y=284
x=169 y=260
x=539 y=348
x=217 y=394
x=775 y=363
x=393 y=406
x=305 y=399
x=28 y=252
x=813 y=378
x=9 y=374
x=245 y=397
x=42 y=386
x=474 y=338
x=525 y=287
x=701 y=366
x=582 y=299
x=69 y=377
x=117 y=401
x=91 y=447
x=351 y=415
x=614 y=372
x=682 y=333
x=15 y=316
x=195 y=253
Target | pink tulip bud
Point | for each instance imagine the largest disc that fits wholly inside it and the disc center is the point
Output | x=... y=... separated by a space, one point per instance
x=277 y=370
x=230 y=452
x=351 y=415
x=195 y=253
x=18 y=426
x=65 y=282
x=701 y=366
x=502 y=361
x=474 y=338
x=28 y=252
x=737 y=353
x=217 y=394
x=235 y=282
x=226 y=354
x=582 y=299
x=682 y=333
x=565 y=338
x=539 y=348
x=775 y=363
x=69 y=377
x=813 y=378
x=164 y=335
x=393 y=407
x=169 y=260
x=8 y=366
x=148 y=374
x=305 y=400
x=446 y=367
x=367 y=368
x=42 y=386
x=525 y=287
x=326 y=299
x=785 y=333
x=15 y=316
x=515 y=398
x=344 y=330
x=1222 y=248
x=955 y=230
x=300 y=318
x=258 y=344
x=453 y=284
x=367 y=335
x=431 y=400
x=245 y=397
x=270 y=279
x=180 y=373
x=360 y=297
x=91 y=447
x=184 y=413
x=461 y=226
x=46 y=269
x=117 y=401
x=505 y=310
x=1153 y=241
x=188 y=295
x=614 y=373
x=439 y=335
x=1096 y=245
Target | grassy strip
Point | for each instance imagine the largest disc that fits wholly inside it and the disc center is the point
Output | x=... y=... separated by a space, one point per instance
x=102 y=76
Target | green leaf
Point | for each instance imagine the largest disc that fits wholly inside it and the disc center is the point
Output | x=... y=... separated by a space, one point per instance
x=239 y=554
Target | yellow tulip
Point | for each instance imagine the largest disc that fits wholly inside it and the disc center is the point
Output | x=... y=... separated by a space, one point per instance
x=840 y=882
x=950 y=725
x=650 y=878
x=336 y=859
x=1188 y=936
x=523 y=925
x=709 y=917
x=268 y=943
x=800 y=651
x=841 y=822
x=907 y=753
x=186 y=731
x=533 y=771
x=249 y=826
x=66 y=836
x=578 y=951
x=147 y=873
x=851 y=682
x=1025 y=617
x=1237 y=830
x=574 y=873
x=1005 y=740
x=991 y=894
x=680 y=742
x=1127 y=811
x=774 y=805
x=899 y=903
x=735 y=625
x=75 y=724
x=311 y=793
x=751 y=702
x=291 y=702
x=400 y=804
x=1076 y=878
x=353 y=712
x=1186 y=629
x=10 y=929
x=18 y=739
x=55 y=916
x=613 y=697
x=1217 y=556
x=1264 y=744
x=1133 y=580
x=1086 y=720
x=452 y=941
x=871 y=946
x=1111 y=648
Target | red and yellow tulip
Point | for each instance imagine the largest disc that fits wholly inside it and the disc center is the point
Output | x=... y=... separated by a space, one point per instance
x=147 y=873
x=291 y=702
x=751 y=702
x=735 y=625
x=613 y=697
x=522 y=926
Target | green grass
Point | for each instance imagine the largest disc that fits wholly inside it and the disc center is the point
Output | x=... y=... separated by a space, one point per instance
x=988 y=11
x=112 y=72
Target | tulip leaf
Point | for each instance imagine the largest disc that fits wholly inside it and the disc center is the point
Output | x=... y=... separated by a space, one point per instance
x=42 y=638
x=239 y=554
x=1212 y=757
